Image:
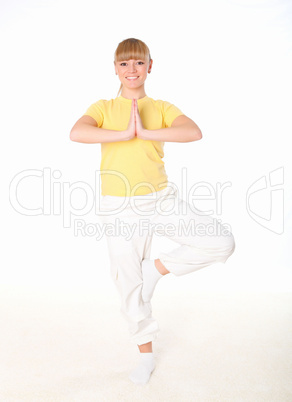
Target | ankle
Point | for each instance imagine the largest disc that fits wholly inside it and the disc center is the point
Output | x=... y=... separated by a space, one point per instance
x=145 y=347
x=160 y=267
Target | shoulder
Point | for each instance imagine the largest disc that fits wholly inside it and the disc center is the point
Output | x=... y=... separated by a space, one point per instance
x=103 y=104
x=162 y=103
x=98 y=103
x=166 y=106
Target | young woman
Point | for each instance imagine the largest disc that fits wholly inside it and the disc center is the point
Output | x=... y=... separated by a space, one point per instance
x=136 y=193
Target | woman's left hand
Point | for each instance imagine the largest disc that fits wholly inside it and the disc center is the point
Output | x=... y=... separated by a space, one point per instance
x=140 y=130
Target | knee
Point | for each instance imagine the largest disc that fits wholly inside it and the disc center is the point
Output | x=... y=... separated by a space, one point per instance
x=229 y=245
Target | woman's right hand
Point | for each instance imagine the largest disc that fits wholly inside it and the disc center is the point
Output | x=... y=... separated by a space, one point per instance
x=131 y=130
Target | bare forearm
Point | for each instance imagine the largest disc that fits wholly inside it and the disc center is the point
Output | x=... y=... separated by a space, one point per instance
x=88 y=134
x=173 y=134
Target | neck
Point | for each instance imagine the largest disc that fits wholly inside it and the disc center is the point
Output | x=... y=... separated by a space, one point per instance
x=134 y=93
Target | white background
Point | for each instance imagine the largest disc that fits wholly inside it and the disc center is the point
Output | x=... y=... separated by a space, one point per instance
x=225 y=64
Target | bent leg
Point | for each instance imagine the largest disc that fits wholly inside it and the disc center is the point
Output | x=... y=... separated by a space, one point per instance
x=203 y=240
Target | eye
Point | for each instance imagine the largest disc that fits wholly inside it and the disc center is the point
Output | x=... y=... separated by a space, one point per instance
x=124 y=63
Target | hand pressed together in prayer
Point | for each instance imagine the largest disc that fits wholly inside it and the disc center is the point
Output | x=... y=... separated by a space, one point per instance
x=135 y=127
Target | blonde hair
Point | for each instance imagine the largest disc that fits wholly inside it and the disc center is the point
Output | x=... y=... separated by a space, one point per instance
x=131 y=48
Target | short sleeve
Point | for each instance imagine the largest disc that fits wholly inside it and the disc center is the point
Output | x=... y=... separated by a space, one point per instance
x=170 y=112
x=96 y=112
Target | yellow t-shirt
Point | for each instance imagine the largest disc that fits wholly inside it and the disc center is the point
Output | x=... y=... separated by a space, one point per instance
x=133 y=167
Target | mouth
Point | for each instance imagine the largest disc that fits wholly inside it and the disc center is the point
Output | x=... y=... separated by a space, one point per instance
x=132 y=78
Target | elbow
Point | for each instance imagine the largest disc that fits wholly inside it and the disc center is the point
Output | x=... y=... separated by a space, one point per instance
x=73 y=136
x=198 y=134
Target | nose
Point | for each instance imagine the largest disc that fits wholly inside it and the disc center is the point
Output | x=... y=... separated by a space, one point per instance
x=132 y=66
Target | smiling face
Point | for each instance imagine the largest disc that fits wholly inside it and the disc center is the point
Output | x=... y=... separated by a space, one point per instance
x=133 y=73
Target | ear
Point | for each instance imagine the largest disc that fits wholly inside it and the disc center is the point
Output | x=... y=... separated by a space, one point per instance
x=150 y=65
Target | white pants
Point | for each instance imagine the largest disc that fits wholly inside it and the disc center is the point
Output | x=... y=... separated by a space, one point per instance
x=130 y=223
